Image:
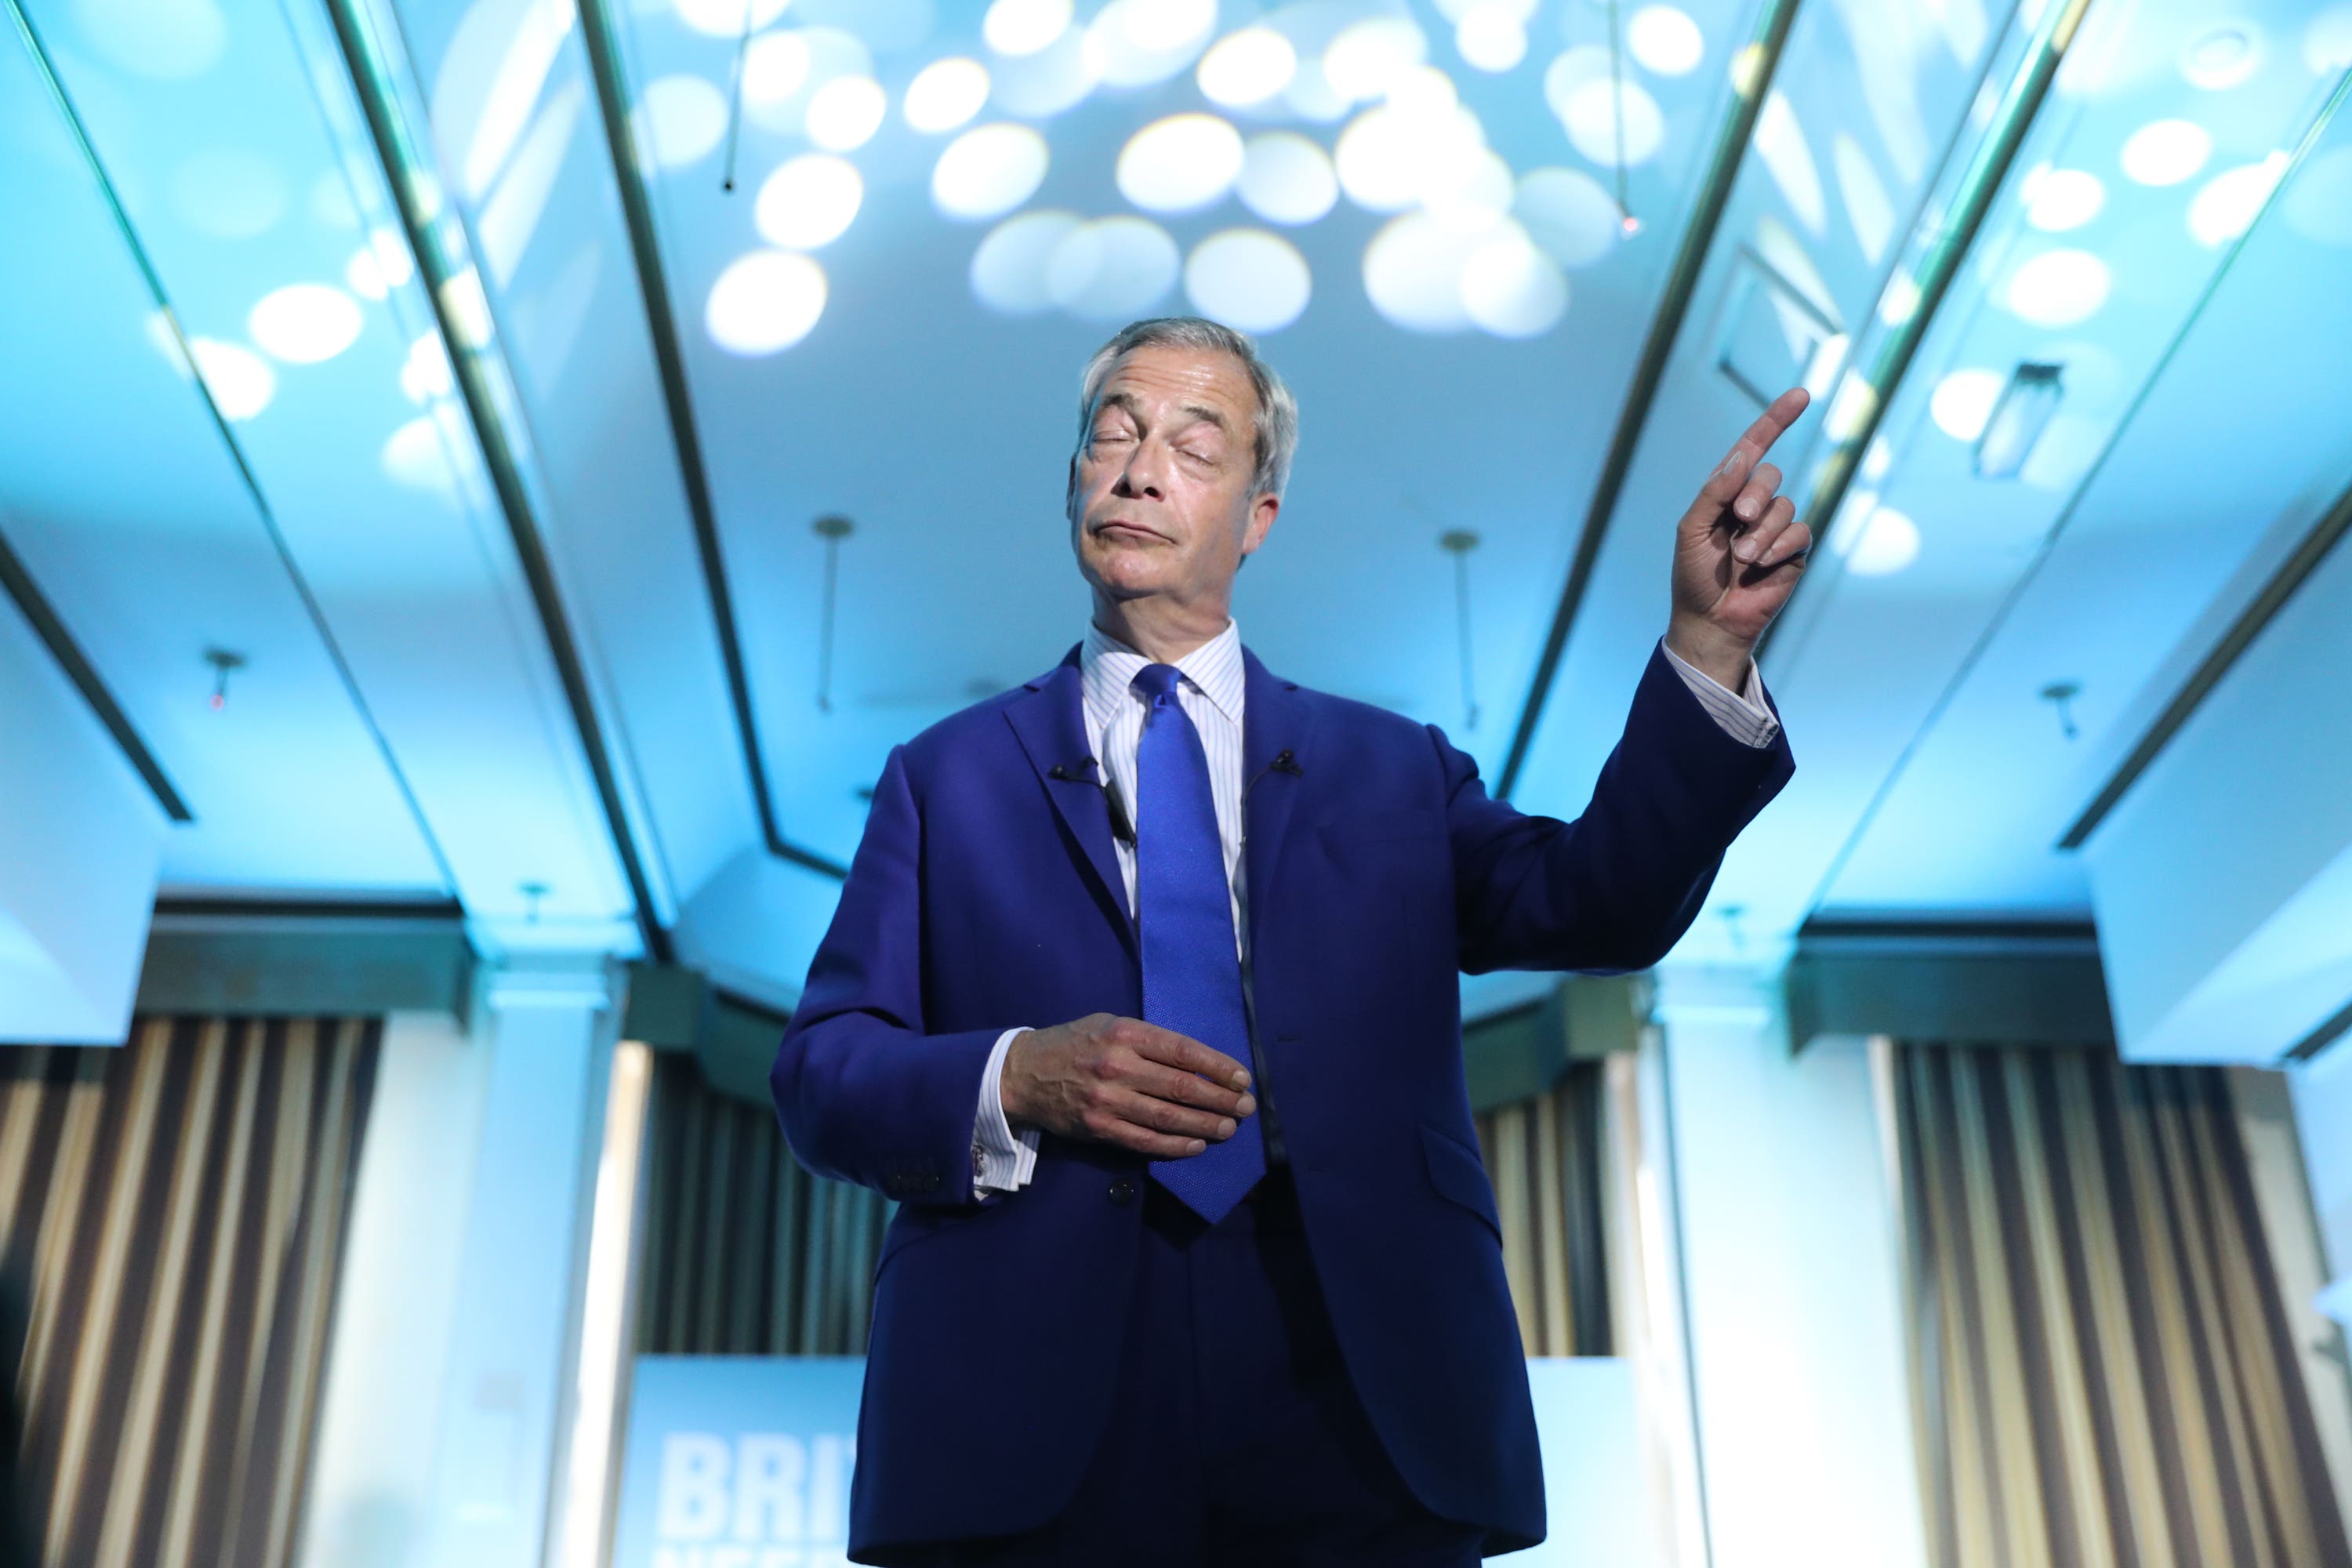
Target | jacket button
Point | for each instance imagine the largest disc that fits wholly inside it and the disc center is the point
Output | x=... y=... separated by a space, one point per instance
x=1122 y=1189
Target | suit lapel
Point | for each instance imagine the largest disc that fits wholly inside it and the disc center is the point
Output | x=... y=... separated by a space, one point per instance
x=1049 y=719
x=1274 y=722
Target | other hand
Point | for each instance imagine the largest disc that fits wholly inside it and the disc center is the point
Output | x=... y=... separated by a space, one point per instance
x=1738 y=552
x=1125 y=1082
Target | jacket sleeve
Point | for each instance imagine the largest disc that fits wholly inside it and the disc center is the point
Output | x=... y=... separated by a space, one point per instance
x=865 y=1094
x=1614 y=889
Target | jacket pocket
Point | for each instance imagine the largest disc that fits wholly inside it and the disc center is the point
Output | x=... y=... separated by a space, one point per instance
x=1459 y=1175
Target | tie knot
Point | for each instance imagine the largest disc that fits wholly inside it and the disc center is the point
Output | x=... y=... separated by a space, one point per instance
x=1156 y=683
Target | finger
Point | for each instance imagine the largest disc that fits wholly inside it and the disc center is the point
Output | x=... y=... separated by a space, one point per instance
x=1183 y=1051
x=1163 y=1116
x=1191 y=1088
x=1757 y=493
x=1794 y=542
x=1750 y=546
x=1753 y=443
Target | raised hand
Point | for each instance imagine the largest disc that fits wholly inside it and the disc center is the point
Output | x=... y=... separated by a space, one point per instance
x=1738 y=552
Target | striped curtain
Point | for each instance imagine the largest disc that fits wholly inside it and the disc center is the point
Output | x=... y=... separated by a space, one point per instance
x=2102 y=1372
x=172 y=1216
x=1544 y=1155
x=745 y=1252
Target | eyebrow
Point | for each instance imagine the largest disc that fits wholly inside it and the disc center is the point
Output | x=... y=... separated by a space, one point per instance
x=1200 y=411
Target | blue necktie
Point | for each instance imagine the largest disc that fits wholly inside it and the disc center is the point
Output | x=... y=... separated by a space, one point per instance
x=1192 y=972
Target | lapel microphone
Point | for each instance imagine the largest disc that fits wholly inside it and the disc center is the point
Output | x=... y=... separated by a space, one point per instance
x=1077 y=772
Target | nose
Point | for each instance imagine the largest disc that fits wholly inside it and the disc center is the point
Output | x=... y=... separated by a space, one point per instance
x=1145 y=473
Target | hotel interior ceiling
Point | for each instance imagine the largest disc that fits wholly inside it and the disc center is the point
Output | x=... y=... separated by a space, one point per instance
x=542 y=454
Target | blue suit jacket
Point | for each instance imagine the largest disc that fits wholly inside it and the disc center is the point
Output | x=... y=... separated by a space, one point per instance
x=986 y=894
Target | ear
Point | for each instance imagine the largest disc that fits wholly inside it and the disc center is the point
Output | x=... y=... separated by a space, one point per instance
x=1263 y=511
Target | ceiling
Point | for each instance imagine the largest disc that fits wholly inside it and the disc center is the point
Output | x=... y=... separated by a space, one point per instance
x=545 y=623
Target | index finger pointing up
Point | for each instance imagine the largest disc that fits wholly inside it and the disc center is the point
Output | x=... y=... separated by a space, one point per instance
x=1754 y=442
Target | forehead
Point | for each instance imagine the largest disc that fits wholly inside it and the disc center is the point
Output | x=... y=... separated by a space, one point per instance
x=1170 y=377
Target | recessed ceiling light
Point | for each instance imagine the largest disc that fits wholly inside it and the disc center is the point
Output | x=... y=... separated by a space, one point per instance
x=1182 y=163
x=765 y=303
x=1413 y=274
x=1567 y=213
x=1597 y=110
x=844 y=113
x=2223 y=57
x=240 y=381
x=1512 y=289
x=728 y=19
x=680 y=120
x=1008 y=270
x=2166 y=152
x=1365 y=57
x=988 y=172
x=305 y=324
x=1963 y=401
x=1665 y=41
x=1287 y=178
x=2060 y=199
x=2327 y=42
x=1024 y=27
x=1247 y=67
x=2231 y=200
x=1491 y=37
x=945 y=94
x=1113 y=269
x=2058 y=287
x=1249 y=279
x=1887 y=543
x=808 y=201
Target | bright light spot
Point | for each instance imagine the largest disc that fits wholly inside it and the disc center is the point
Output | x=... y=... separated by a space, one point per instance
x=228 y=192
x=946 y=93
x=1780 y=142
x=1134 y=43
x=1009 y=269
x=726 y=18
x=1248 y=279
x=844 y=113
x=1851 y=407
x=1491 y=37
x=1747 y=69
x=1866 y=204
x=1573 y=69
x=1901 y=300
x=416 y=457
x=2327 y=42
x=1512 y=289
x=808 y=201
x=468 y=308
x=775 y=67
x=2165 y=152
x=1389 y=159
x=164 y=337
x=1413 y=273
x=2223 y=57
x=1286 y=178
x=1113 y=269
x=1877 y=459
x=764 y=302
x=380 y=266
x=681 y=119
x=240 y=381
x=1962 y=403
x=1057 y=78
x=1472 y=194
x=1365 y=59
x=1248 y=67
x=1596 y=108
x=425 y=375
x=2059 y=199
x=2230 y=200
x=988 y=172
x=1567 y=213
x=305 y=324
x=1024 y=27
x=1180 y=164
x=1664 y=40
x=1884 y=542
x=1311 y=95
x=2058 y=287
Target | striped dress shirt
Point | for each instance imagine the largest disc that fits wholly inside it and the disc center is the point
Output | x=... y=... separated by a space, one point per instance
x=1211 y=693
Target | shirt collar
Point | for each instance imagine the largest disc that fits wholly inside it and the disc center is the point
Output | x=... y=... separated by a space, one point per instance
x=1109 y=667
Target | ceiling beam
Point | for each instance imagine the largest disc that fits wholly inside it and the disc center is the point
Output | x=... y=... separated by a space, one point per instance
x=598 y=32
x=1957 y=224
x=1665 y=326
x=409 y=172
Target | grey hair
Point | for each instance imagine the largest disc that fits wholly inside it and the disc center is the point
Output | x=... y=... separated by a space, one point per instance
x=1274 y=432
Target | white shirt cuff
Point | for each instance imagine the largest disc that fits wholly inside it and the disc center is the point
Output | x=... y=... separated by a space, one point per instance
x=1743 y=717
x=1000 y=1163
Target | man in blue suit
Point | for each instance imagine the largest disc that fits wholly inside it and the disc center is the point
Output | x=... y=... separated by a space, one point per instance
x=1141 y=998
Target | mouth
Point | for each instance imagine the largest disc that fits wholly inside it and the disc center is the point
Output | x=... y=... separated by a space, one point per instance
x=1120 y=528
